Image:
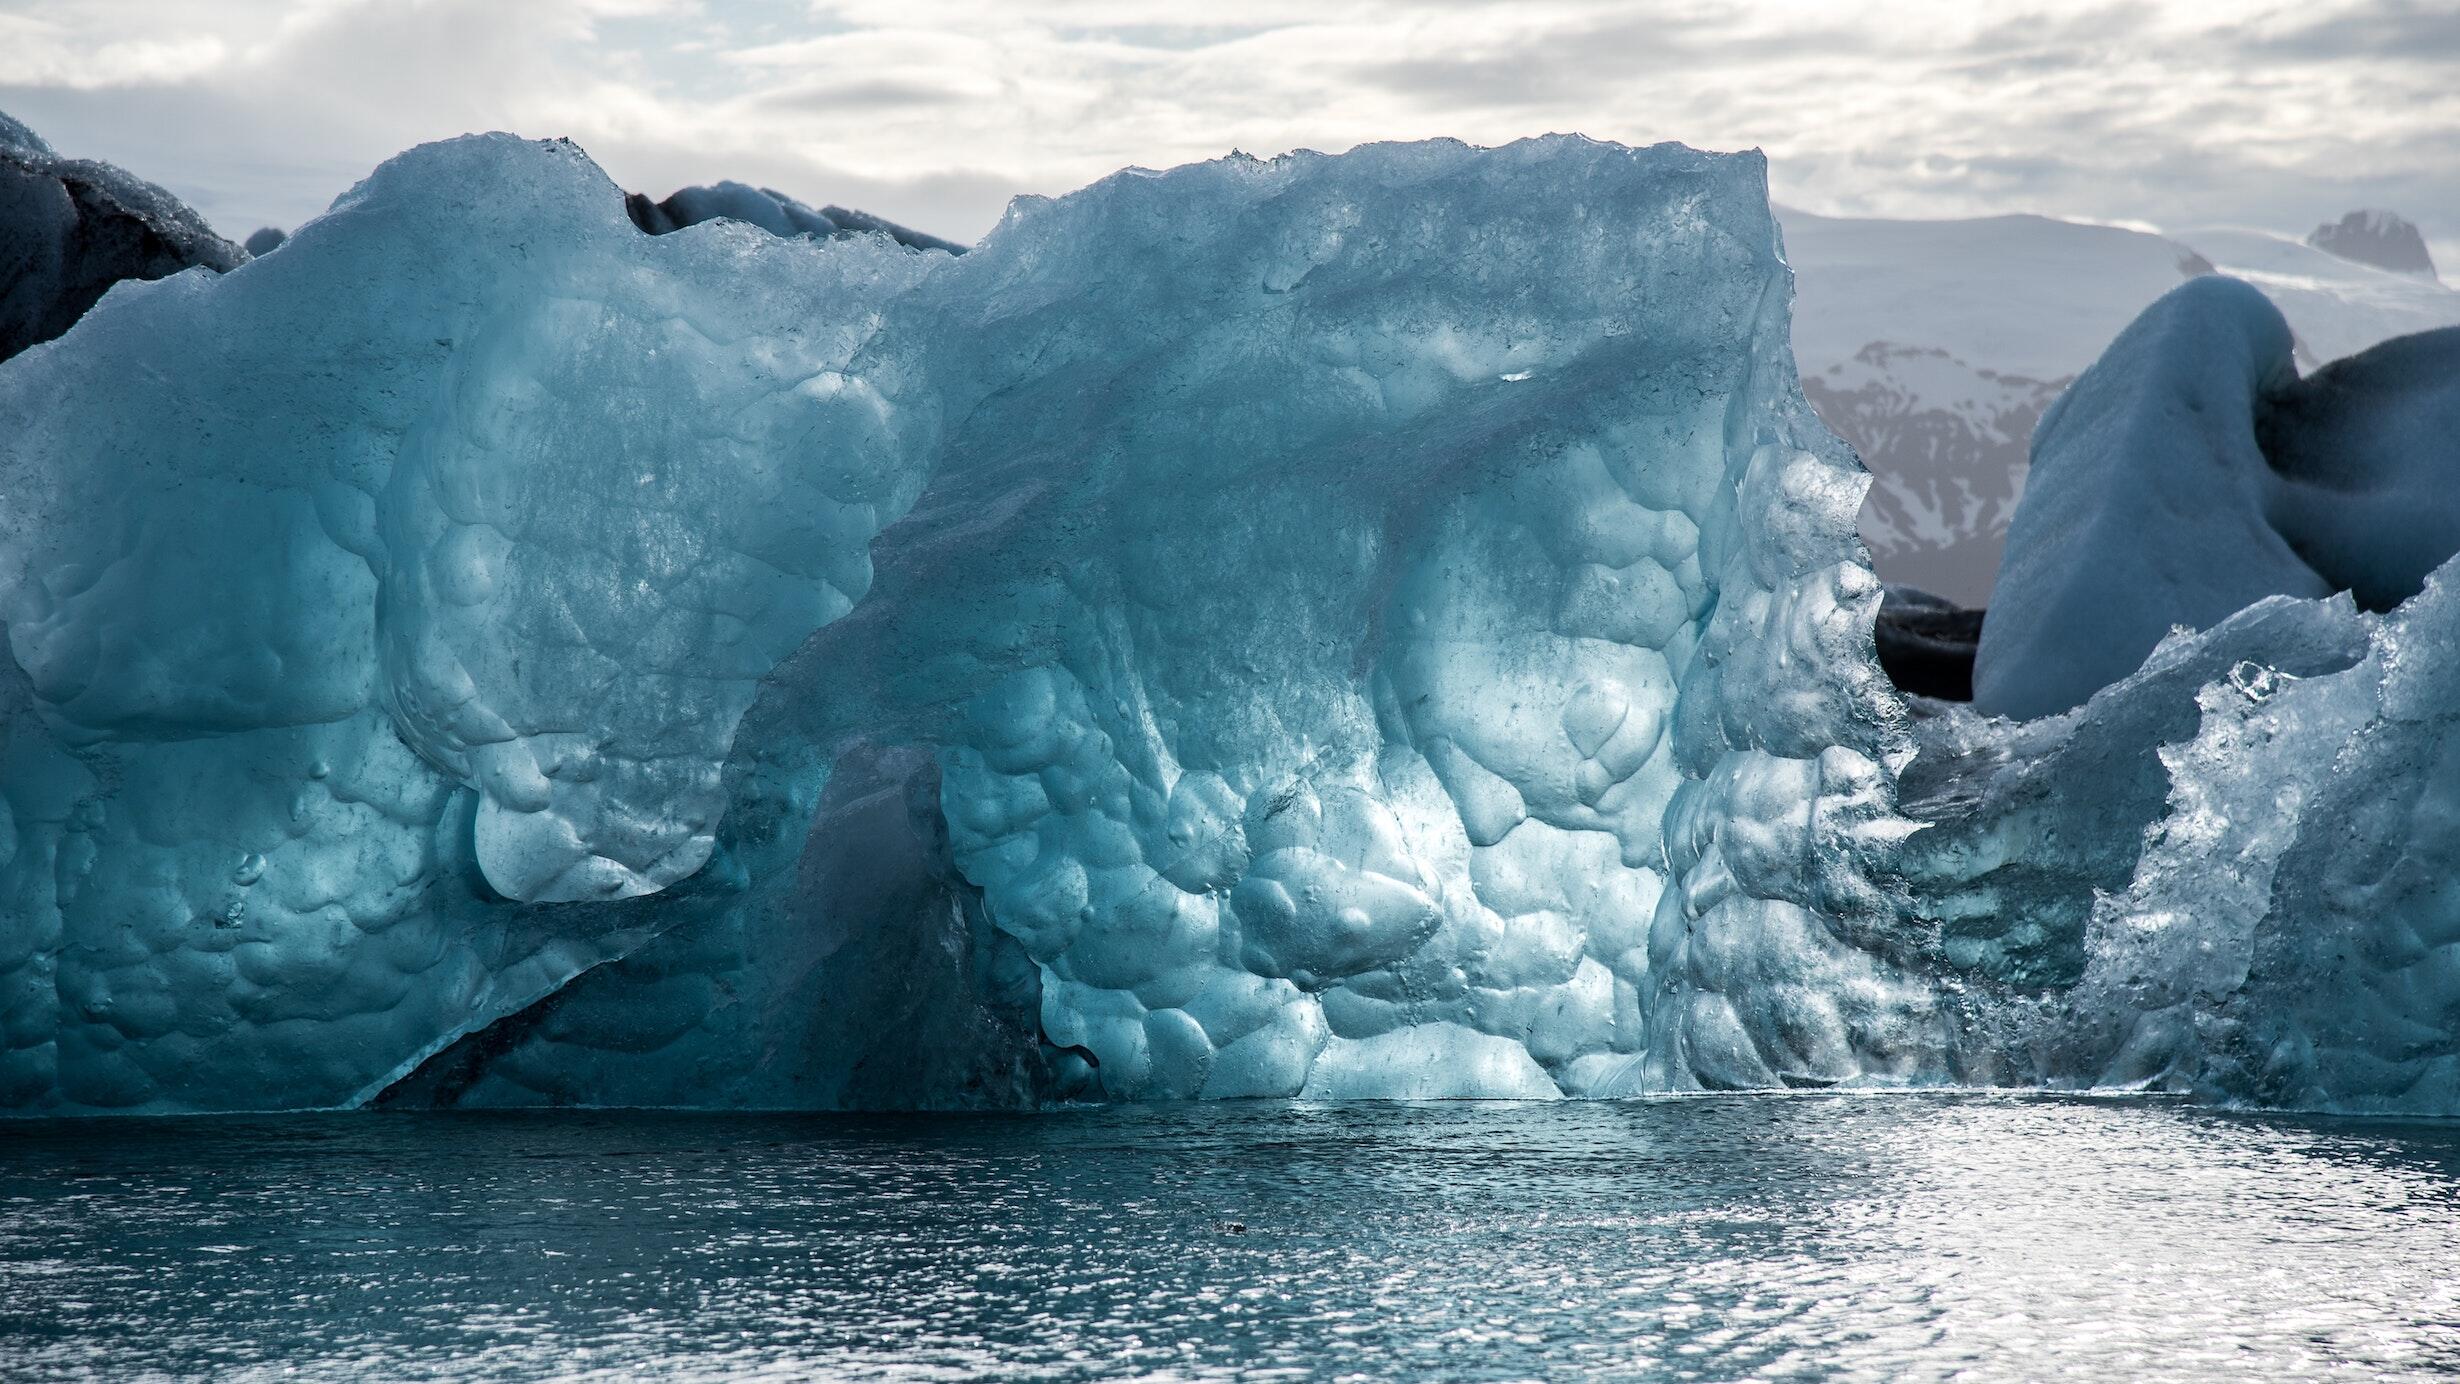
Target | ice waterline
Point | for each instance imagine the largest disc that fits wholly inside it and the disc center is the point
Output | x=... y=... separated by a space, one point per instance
x=1360 y=626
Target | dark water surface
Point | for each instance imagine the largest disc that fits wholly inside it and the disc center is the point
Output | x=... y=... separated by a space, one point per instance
x=1867 y=1237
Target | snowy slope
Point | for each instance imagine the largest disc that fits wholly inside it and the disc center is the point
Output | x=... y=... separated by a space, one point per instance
x=2338 y=307
x=1934 y=346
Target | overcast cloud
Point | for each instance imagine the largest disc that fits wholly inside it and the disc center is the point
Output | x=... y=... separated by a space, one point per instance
x=2162 y=112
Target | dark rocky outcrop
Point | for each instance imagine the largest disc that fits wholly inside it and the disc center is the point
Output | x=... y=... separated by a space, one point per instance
x=2383 y=239
x=1926 y=644
x=71 y=228
x=772 y=211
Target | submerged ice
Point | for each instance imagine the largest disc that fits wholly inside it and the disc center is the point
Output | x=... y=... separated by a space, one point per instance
x=1375 y=625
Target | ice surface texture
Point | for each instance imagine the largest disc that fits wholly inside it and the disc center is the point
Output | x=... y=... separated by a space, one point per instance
x=1376 y=625
x=404 y=577
x=1400 y=628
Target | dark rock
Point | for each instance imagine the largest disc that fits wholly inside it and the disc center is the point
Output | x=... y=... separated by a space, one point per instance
x=264 y=241
x=1926 y=644
x=71 y=228
x=772 y=211
x=2383 y=239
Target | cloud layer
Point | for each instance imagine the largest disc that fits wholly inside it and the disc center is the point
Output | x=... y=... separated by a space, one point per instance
x=2170 y=112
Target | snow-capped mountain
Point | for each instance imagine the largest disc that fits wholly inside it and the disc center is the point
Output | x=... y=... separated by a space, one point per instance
x=2383 y=239
x=1934 y=346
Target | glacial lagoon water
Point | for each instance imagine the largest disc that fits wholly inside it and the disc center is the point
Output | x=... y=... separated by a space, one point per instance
x=1832 y=1236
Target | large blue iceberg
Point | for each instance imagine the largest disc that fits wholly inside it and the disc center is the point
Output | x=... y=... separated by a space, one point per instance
x=1348 y=623
x=1384 y=625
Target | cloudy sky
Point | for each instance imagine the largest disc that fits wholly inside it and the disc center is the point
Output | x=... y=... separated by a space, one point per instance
x=2172 y=113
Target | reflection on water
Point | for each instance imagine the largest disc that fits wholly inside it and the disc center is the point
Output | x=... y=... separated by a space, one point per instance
x=1871 y=1237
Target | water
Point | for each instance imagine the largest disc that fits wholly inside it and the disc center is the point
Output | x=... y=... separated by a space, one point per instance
x=1860 y=1237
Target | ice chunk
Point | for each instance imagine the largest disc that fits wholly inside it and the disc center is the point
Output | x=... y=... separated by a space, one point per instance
x=430 y=562
x=2369 y=448
x=2224 y=875
x=2218 y=874
x=2190 y=473
x=1357 y=611
x=2148 y=504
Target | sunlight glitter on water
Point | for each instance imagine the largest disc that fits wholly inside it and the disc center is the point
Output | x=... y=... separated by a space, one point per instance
x=1856 y=1237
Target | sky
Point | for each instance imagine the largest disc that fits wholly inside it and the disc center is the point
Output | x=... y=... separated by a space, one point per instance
x=2159 y=113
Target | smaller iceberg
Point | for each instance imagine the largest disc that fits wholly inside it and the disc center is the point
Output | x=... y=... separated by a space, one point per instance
x=2190 y=473
x=2219 y=858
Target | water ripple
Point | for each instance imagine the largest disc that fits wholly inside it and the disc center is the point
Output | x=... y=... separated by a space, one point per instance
x=1839 y=1237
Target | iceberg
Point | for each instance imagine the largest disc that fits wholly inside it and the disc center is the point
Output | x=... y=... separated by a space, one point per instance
x=2190 y=473
x=2224 y=871
x=1391 y=606
x=1384 y=625
x=368 y=593
x=2148 y=505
